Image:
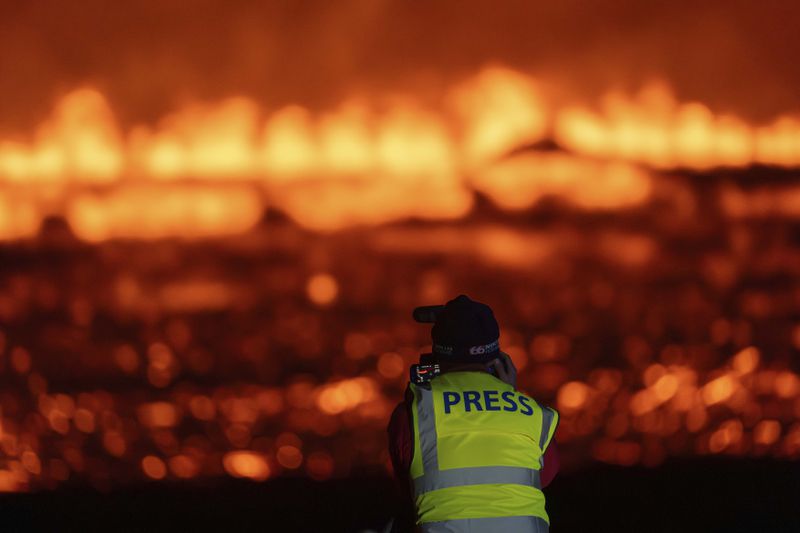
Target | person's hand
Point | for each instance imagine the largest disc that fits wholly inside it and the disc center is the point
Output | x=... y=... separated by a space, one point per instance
x=504 y=369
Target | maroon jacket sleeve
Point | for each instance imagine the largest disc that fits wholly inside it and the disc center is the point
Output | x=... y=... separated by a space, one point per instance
x=401 y=451
x=550 y=464
x=401 y=441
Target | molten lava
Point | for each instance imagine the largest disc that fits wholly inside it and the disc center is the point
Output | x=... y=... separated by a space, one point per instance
x=212 y=169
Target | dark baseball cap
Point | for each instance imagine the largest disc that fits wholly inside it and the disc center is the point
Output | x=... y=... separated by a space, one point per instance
x=465 y=331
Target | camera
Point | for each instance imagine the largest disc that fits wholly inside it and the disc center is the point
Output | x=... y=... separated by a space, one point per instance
x=428 y=367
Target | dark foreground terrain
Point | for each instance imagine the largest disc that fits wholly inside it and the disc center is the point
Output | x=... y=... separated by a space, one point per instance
x=718 y=495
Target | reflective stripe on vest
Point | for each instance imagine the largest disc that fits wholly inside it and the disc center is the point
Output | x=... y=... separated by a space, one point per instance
x=427 y=431
x=491 y=456
x=503 y=524
x=548 y=430
x=477 y=475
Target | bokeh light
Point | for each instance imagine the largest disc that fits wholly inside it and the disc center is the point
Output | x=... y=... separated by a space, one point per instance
x=224 y=287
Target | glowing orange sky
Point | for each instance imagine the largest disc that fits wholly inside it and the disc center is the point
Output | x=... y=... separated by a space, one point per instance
x=151 y=57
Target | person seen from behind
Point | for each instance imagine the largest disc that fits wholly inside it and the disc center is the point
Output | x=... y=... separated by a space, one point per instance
x=470 y=451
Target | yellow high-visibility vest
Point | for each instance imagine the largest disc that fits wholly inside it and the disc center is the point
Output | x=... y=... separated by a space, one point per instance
x=478 y=448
